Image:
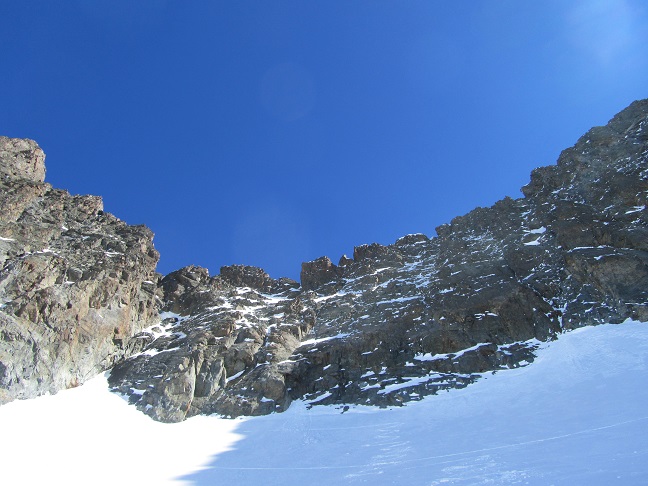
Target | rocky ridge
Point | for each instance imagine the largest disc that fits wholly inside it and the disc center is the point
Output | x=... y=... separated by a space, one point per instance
x=398 y=322
x=394 y=323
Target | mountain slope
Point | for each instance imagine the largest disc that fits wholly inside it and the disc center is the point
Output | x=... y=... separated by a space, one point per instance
x=575 y=416
x=398 y=322
x=79 y=294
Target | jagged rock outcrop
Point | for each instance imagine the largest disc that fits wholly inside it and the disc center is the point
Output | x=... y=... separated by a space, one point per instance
x=315 y=273
x=76 y=283
x=220 y=347
x=402 y=321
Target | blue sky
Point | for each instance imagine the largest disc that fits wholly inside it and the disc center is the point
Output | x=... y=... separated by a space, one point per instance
x=271 y=133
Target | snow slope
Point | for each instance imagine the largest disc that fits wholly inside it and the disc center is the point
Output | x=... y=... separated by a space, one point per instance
x=577 y=415
x=89 y=436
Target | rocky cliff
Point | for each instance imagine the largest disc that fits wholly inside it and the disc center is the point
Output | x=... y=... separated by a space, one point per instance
x=390 y=325
x=75 y=282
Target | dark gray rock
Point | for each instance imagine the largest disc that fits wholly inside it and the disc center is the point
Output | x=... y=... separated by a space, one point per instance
x=571 y=253
x=318 y=272
x=255 y=278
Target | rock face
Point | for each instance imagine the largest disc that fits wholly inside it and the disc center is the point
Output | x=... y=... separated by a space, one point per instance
x=79 y=294
x=402 y=321
x=21 y=159
x=76 y=283
x=221 y=346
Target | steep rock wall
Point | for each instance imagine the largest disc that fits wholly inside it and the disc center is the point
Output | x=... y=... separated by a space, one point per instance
x=76 y=283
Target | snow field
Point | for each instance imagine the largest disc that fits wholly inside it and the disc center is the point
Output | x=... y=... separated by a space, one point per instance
x=90 y=436
x=577 y=415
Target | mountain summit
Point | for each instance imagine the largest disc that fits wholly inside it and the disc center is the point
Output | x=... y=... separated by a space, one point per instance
x=390 y=325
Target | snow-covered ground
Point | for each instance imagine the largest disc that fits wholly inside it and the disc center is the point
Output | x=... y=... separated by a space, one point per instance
x=577 y=416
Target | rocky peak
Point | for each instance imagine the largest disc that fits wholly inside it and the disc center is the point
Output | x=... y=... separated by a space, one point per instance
x=21 y=159
x=255 y=278
x=318 y=272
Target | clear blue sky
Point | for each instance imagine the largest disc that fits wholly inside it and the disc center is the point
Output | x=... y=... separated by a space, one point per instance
x=271 y=133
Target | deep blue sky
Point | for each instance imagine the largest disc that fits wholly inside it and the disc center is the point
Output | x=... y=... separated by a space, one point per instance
x=270 y=133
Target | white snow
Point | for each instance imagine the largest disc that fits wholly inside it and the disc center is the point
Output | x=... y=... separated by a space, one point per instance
x=235 y=376
x=340 y=293
x=399 y=299
x=577 y=415
x=636 y=209
x=321 y=340
x=87 y=435
x=537 y=231
x=273 y=298
x=154 y=352
x=430 y=357
x=408 y=381
x=533 y=243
